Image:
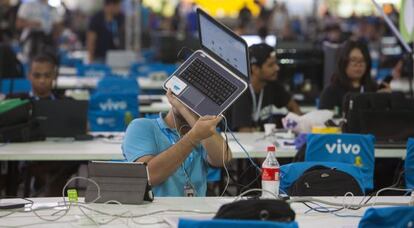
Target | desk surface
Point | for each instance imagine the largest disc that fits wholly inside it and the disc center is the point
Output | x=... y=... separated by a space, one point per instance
x=110 y=149
x=166 y=217
x=74 y=82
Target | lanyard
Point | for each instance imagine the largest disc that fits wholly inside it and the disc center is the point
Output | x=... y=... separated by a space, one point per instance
x=256 y=106
x=171 y=139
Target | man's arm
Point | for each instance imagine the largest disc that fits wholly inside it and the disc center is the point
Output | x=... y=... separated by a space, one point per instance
x=293 y=106
x=162 y=166
x=214 y=144
x=91 y=44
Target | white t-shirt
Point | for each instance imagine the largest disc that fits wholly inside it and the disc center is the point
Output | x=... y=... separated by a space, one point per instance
x=40 y=12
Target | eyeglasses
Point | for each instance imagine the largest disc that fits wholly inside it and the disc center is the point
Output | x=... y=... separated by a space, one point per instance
x=356 y=61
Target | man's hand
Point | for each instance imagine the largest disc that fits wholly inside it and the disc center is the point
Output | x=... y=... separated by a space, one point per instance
x=203 y=128
x=188 y=115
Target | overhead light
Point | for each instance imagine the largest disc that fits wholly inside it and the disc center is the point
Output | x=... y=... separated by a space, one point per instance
x=55 y=3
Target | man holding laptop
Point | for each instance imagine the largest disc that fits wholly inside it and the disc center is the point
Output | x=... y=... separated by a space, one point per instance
x=180 y=145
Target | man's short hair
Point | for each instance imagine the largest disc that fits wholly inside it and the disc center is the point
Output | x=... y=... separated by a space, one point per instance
x=112 y=2
x=259 y=53
x=44 y=58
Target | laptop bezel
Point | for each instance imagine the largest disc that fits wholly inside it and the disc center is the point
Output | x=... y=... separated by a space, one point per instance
x=201 y=12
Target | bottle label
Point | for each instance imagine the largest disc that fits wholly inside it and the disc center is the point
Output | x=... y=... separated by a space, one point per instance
x=270 y=174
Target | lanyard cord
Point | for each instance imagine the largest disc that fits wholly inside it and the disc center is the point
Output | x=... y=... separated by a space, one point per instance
x=172 y=141
x=256 y=106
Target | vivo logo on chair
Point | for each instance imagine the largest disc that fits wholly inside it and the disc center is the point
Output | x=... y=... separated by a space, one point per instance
x=110 y=105
x=345 y=148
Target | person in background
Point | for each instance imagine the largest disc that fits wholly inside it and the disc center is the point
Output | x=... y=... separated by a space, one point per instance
x=178 y=147
x=258 y=104
x=42 y=76
x=105 y=31
x=352 y=74
x=41 y=26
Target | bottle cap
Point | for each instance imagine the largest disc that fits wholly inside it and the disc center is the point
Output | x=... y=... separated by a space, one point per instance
x=271 y=148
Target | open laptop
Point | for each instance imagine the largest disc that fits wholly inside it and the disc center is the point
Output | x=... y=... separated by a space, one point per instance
x=125 y=182
x=61 y=118
x=212 y=78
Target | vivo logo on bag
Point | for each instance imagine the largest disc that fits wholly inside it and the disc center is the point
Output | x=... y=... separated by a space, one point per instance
x=110 y=105
x=339 y=148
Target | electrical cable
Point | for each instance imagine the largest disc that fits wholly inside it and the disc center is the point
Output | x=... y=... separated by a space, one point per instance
x=225 y=155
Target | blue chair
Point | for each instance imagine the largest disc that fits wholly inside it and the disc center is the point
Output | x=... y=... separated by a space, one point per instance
x=112 y=111
x=112 y=84
x=289 y=173
x=93 y=70
x=19 y=85
x=388 y=217
x=409 y=164
x=356 y=149
x=226 y=223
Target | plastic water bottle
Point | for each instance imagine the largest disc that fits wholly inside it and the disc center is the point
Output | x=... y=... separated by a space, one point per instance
x=270 y=173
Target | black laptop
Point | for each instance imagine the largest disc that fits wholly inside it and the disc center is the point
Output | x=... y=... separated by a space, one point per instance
x=61 y=118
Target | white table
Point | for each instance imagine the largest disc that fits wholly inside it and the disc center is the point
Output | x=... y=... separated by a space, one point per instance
x=74 y=82
x=110 y=149
x=75 y=218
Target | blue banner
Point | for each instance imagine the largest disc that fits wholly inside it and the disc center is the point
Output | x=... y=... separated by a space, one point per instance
x=112 y=111
x=353 y=149
x=291 y=172
x=409 y=164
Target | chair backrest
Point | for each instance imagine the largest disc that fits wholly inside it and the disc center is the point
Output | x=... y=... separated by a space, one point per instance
x=114 y=84
x=112 y=111
x=409 y=164
x=290 y=173
x=19 y=85
x=388 y=217
x=93 y=70
x=225 y=223
x=353 y=149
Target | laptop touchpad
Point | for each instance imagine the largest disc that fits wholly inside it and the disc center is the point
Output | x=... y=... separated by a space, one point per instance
x=193 y=96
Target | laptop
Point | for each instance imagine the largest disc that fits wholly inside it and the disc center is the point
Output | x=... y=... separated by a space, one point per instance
x=61 y=118
x=212 y=78
x=125 y=182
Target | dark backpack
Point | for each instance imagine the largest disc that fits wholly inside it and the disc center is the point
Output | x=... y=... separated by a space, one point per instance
x=17 y=123
x=257 y=209
x=324 y=181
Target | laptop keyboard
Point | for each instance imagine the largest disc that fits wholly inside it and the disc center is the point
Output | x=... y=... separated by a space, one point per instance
x=208 y=81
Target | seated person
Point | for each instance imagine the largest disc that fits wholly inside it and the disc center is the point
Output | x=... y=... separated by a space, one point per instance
x=256 y=106
x=42 y=76
x=51 y=176
x=178 y=147
x=352 y=74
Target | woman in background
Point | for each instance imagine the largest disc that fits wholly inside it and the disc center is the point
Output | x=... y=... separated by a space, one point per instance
x=352 y=74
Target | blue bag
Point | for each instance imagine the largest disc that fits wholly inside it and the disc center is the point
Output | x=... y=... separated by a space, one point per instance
x=356 y=149
x=289 y=173
x=388 y=217
x=226 y=223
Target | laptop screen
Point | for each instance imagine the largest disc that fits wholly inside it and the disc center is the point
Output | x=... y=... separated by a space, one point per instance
x=224 y=44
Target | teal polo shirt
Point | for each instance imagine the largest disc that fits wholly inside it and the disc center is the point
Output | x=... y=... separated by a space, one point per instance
x=152 y=137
